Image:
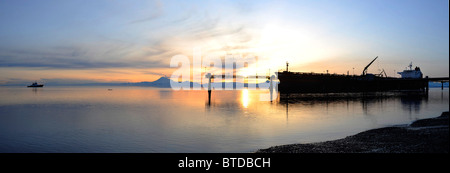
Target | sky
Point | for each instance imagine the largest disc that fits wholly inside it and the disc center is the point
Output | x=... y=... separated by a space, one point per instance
x=134 y=40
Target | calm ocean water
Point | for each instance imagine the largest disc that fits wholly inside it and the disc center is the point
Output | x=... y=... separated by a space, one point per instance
x=138 y=119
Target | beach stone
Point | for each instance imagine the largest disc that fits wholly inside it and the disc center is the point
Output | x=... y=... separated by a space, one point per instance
x=422 y=136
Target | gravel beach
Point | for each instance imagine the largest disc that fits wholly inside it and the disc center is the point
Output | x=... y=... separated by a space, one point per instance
x=422 y=136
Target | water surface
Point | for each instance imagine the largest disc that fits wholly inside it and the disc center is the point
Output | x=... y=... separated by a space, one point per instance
x=140 y=119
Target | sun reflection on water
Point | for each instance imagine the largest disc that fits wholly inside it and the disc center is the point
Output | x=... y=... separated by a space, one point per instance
x=245 y=98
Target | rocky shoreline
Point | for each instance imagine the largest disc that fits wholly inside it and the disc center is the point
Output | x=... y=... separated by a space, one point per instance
x=422 y=136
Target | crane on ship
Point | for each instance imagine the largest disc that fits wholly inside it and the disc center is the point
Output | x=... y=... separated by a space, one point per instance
x=383 y=72
x=365 y=68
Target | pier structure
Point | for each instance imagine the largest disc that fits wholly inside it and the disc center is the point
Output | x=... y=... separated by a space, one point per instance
x=210 y=77
x=442 y=80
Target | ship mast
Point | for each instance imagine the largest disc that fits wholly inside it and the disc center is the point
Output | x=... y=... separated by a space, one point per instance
x=287 y=66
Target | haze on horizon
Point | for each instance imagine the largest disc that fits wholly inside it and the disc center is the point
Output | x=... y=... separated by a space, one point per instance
x=134 y=41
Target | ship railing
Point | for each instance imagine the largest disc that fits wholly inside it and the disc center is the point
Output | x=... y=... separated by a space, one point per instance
x=320 y=74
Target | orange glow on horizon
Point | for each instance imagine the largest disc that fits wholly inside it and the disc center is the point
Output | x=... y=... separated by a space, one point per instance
x=98 y=75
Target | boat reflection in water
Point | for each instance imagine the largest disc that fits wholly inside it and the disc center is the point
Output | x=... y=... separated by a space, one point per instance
x=410 y=100
x=375 y=104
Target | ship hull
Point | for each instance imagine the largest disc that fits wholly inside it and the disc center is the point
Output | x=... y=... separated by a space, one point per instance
x=328 y=83
x=35 y=86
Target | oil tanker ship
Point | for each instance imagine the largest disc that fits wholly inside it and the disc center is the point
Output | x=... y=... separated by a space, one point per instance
x=300 y=82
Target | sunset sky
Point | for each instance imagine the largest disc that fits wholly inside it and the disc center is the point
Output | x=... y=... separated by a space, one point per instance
x=134 y=41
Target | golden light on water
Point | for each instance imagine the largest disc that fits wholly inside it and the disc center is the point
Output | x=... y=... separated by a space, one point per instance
x=245 y=98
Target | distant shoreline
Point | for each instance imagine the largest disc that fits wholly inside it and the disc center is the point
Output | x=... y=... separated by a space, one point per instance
x=162 y=82
x=422 y=136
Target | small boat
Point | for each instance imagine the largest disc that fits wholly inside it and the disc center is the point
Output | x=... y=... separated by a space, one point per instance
x=35 y=84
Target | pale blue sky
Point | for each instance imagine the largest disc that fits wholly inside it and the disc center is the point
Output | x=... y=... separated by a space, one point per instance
x=104 y=37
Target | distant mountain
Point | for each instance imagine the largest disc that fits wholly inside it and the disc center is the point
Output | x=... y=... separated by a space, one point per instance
x=162 y=82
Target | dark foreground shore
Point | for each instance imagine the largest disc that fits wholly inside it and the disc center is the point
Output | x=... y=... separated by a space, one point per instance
x=422 y=136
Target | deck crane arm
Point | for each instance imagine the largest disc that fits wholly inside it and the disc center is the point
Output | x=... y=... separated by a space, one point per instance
x=383 y=72
x=385 y=75
x=365 y=68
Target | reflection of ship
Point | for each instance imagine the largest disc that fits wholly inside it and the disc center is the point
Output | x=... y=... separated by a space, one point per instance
x=410 y=100
x=329 y=83
x=35 y=84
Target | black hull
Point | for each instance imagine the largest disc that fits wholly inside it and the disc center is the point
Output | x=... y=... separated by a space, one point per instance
x=37 y=86
x=327 y=83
